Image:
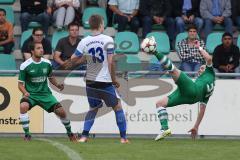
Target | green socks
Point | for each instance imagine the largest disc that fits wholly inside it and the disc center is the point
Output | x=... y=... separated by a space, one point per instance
x=24 y=120
x=67 y=125
x=165 y=61
x=163 y=117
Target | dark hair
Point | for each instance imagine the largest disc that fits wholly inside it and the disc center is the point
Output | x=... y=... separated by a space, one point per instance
x=72 y=24
x=3 y=10
x=32 y=45
x=191 y=26
x=95 y=21
x=227 y=34
x=37 y=29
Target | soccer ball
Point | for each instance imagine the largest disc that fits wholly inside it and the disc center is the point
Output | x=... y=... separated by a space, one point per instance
x=149 y=45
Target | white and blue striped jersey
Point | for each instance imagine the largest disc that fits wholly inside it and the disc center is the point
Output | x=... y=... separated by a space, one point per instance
x=96 y=48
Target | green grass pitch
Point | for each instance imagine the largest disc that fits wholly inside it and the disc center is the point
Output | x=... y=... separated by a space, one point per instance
x=111 y=149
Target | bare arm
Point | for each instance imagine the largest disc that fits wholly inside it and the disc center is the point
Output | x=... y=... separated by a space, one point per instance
x=116 y=10
x=194 y=130
x=74 y=61
x=57 y=58
x=135 y=12
x=111 y=66
x=22 y=88
x=207 y=57
x=53 y=80
x=10 y=36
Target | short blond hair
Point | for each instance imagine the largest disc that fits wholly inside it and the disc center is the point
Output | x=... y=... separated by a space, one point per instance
x=95 y=21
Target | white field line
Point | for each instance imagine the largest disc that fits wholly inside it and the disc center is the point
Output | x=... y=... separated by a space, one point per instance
x=68 y=151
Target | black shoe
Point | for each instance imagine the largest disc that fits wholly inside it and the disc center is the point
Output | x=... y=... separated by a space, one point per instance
x=27 y=137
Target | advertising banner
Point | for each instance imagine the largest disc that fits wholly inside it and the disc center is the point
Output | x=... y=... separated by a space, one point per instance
x=139 y=97
x=10 y=108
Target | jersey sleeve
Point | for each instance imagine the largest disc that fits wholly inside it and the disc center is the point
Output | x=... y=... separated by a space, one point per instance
x=22 y=74
x=110 y=46
x=80 y=49
x=205 y=101
x=209 y=69
x=113 y=2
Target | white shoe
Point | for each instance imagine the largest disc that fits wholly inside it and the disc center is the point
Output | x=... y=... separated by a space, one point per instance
x=83 y=139
x=124 y=141
x=163 y=134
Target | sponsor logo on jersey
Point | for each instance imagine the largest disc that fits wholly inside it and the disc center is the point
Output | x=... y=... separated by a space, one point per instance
x=44 y=70
x=32 y=71
x=38 y=79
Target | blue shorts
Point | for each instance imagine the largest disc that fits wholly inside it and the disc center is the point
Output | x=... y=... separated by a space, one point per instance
x=97 y=92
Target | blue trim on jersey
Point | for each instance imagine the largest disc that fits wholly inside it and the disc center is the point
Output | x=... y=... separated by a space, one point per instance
x=110 y=50
x=78 y=53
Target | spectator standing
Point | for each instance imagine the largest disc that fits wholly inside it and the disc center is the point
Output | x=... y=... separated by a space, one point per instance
x=6 y=33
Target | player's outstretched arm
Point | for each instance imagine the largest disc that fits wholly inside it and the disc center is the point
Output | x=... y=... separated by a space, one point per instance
x=71 y=63
x=207 y=57
x=194 y=130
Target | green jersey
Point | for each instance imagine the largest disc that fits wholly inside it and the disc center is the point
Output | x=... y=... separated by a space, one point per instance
x=35 y=75
x=205 y=84
x=189 y=92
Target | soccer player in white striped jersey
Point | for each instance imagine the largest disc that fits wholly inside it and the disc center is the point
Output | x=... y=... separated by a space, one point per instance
x=97 y=49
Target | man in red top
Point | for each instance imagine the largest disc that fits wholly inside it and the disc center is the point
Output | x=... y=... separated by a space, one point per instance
x=6 y=33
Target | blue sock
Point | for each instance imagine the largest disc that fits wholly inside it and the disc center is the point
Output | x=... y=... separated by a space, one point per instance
x=89 y=120
x=121 y=122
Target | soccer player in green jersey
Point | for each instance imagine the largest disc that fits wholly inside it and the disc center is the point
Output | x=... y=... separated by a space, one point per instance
x=187 y=92
x=33 y=84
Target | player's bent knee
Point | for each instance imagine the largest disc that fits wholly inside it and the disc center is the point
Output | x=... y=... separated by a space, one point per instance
x=58 y=110
x=24 y=107
x=162 y=102
x=118 y=106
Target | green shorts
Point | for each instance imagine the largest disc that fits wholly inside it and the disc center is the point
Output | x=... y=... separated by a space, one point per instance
x=47 y=102
x=186 y=92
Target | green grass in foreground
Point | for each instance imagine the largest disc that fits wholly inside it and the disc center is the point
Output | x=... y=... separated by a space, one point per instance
x=111 y=149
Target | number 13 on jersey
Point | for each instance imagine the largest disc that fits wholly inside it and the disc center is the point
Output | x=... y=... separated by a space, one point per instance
x=97 y=54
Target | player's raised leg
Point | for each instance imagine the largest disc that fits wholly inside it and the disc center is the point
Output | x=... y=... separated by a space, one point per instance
x=165 y=61
x=168 y=65
x=162 y=104
x=60 y=112
x=24 y=119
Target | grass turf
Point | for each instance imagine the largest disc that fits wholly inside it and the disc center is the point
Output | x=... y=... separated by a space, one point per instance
x=111 y=149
